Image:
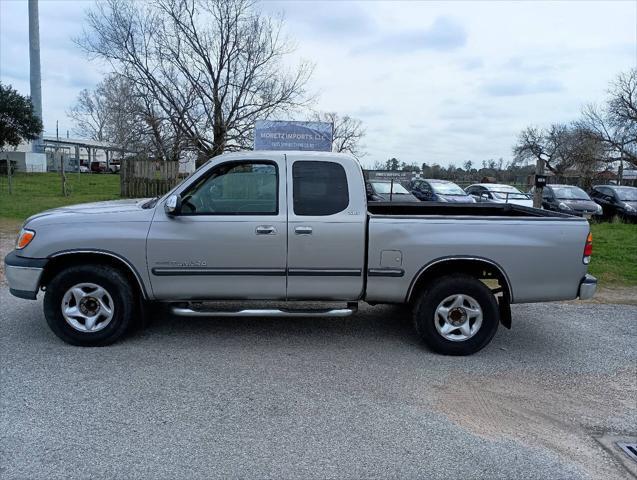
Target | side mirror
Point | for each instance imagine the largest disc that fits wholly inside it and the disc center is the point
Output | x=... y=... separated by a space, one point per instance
x=173 y=205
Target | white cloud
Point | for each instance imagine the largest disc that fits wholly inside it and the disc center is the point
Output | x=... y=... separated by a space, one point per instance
x=438 y=82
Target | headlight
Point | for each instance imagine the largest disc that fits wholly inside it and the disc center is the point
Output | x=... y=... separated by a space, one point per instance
x=24 y=238
x=629 y=208
x=599 y=209
x=563 y=206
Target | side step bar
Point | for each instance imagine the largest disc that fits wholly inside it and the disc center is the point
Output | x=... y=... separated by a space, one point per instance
x=265 y=312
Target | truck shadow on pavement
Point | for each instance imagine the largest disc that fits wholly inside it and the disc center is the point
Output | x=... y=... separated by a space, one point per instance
x=388 y=327
x=381 y=323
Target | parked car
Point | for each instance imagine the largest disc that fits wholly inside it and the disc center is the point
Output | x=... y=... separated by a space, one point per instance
x=84 y=169
x=295 y=226
x=616 y=200
x=568 y=199
x=386 y=191
x=498 y=193
x=114 y=167
x=98 y=167
x=433 y=190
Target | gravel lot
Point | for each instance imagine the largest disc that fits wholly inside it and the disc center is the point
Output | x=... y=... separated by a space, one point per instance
x=319 y=398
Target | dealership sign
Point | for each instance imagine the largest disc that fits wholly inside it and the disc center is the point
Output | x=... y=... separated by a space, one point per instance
x=288 y=135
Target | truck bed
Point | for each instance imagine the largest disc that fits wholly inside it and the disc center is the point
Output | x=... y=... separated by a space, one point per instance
x=459 y=209
x=539 y=251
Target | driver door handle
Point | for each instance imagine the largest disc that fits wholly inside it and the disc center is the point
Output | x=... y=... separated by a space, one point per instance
x=303 y=230
x=266 y=230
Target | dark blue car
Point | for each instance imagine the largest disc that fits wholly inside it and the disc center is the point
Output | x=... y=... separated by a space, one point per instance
x=432 y=190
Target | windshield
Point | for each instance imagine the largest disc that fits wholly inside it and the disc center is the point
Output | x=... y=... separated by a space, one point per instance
x=447 y=189
x=507 y=192
x=385 y=187
x=627 y=194
x=570 y=193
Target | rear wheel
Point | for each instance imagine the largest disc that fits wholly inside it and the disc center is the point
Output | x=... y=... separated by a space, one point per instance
x=456 y=315
x=90 y=305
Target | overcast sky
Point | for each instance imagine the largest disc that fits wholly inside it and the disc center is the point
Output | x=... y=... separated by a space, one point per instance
x=441 y=82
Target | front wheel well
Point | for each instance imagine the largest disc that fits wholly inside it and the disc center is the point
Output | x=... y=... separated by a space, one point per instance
x=484 y=270
x=60 y=262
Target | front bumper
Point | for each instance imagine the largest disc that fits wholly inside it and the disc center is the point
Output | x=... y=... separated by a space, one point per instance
x=23 y=275
x=587 y=287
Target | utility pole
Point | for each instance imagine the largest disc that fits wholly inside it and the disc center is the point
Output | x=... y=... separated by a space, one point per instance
x=537 y=191
x=34 y=63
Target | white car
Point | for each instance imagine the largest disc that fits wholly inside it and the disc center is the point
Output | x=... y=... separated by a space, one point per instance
x=498 y=193
x=84 y=169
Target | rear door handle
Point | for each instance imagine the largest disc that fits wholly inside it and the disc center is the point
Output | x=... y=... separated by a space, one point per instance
x=266 y=230
x=303 y=230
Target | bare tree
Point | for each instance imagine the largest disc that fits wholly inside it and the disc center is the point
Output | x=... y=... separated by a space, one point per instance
x=90 y=114
x=551 y=146
x=348 y=132
x=212 y=66
x=117 y=111
x=615 y=122
x=559 y=148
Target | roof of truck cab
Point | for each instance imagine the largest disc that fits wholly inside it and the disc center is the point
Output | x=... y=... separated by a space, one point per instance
x=301 y=154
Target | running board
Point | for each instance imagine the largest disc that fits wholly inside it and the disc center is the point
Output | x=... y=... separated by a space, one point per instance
x=273 y=312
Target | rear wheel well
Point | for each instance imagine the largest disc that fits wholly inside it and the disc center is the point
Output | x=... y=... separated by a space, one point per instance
x=483 y=270
x=58 y=263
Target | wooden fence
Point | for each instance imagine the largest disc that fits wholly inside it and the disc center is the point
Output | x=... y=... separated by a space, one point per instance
x=141 y=178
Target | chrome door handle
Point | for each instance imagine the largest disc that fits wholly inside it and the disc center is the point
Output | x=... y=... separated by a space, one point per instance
x=303 y=230
x=266 y=230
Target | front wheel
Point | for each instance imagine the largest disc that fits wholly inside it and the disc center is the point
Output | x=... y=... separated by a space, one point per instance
x=456 y=315
x=89 y=305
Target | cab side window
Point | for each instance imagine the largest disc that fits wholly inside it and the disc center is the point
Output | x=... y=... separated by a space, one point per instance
x=319 y=188
x=235 y=188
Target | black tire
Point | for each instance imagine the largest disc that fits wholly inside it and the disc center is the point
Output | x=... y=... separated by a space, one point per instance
x=442 y=288
x=111 y=280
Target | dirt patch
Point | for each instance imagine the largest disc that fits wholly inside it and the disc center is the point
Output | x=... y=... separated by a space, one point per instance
x=622 y=295
x=8 y=231
x=561 y=414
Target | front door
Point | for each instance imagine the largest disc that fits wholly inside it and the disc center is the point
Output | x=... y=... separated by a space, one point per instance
x=326 y=229
x=229 y=242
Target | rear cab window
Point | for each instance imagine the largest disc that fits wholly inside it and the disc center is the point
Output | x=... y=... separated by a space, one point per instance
x=319 y=188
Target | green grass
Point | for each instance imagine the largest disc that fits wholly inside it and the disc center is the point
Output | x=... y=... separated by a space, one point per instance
x=614 y=260
x=35 y=192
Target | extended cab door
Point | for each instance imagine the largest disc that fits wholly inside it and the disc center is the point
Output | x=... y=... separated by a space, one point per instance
x=327 y=217
x=229 y=242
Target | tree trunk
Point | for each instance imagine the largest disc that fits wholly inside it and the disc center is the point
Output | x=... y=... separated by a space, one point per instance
x=63 y=174
x=9 y=175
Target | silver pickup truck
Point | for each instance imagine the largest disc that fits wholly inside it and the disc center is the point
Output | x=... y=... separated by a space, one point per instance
x=294 y=227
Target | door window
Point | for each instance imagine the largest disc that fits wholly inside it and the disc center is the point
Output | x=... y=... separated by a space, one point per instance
x=235 y=188
x=319 y=188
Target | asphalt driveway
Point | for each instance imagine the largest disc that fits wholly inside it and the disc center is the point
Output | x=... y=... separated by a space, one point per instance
x=319 y=398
